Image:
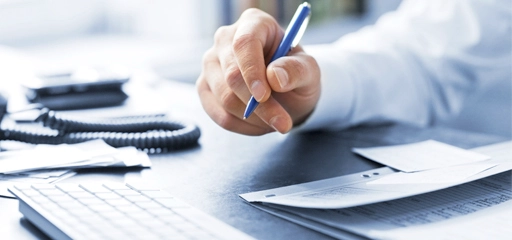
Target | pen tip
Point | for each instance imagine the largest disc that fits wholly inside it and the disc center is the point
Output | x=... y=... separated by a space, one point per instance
x=245 y=117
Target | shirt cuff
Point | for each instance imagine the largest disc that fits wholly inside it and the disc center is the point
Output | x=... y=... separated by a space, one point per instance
x=336 y=97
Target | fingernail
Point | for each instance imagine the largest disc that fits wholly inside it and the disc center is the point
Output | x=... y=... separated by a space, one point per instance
x=278 y=123
x=282 y=76
x=258 y=91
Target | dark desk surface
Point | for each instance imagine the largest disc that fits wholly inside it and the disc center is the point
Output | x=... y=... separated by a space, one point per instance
x=211 y=175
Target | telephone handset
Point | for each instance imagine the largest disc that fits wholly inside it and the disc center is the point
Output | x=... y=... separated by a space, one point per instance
x=84 y=87
x=152 y=133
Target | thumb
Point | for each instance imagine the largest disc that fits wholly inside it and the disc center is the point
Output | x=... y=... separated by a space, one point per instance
x=297 y=72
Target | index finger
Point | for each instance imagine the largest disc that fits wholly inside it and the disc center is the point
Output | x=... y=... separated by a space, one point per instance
x=254 y=39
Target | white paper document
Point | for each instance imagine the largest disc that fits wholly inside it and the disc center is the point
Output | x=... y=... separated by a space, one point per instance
x=51 y=163
x=439 y=175
x=490 y=223
x=94 y=153
x=46 y=156
x=420 y=156
x=380 y=220
x=349 y=207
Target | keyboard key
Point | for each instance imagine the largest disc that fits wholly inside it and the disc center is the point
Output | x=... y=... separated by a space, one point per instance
x=171 y=202
x=137 y=198
x=83 y=212
x=161 y=212
x=62 y=213
x=125 y=222
x=127 y=192
x=32 y=192
x=94 y=188
x=141 y=216
x=51 y=191
x=22 y=186
x=116 y=186
x=69 y=188
x=154 y=223
x=81 y=194
x=171 y=219
x=148 y=205
x=70 y=205
x=63 y=198
x=43 y=186
x=41 y=199
x=156 y=194
x=118 y=202
x=142 y=187
x=91 y=201
x=102 y=208
x=50 y=206
x=107 y=195
x=112 y=215
x=129 y=209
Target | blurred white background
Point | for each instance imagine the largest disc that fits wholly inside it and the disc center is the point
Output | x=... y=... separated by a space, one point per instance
x=169 y=37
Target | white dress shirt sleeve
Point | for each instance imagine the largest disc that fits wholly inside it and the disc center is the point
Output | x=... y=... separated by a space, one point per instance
x=416 y=65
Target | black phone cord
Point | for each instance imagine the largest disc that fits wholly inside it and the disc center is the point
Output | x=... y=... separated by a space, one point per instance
x=153 y=134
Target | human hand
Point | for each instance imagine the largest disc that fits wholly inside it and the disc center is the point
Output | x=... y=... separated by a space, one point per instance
x=236 y=67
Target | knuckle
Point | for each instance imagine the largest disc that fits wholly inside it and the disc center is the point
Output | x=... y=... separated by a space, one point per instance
x=209 y=61
x=250 y=13
x=232 y=75
x=208 y=56
x=296 y=67
x=228 y=100
x=256 y=14
x=311 y=64
x=224 y=120
x=199 y=83
x=220 y=33
x=309 y=60
x=250 y=68
x=242 y=41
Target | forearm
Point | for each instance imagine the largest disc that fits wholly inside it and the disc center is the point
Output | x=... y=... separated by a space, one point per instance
x=415 y=65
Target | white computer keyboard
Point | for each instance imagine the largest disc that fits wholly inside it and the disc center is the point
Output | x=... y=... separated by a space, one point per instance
x=116 y=211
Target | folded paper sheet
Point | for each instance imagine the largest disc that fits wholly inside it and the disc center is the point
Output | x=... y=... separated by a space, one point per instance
x=86 y=154
x=420 y=156
x=354 y=190
x=348 y=207
x=438 y=175
x=52 y=163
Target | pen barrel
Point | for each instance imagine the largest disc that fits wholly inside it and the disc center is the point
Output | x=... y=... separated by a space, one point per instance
x=280 y=52
x=297 y=26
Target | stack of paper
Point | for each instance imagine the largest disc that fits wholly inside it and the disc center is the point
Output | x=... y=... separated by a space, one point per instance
x=51 y=163
x=421 y=156
x=426 y=162
x=385 y=203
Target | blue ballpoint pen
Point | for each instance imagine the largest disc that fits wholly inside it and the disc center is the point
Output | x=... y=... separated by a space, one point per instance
x=291 y=38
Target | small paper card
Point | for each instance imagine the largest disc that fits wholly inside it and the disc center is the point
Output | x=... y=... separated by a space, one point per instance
x=420 y=156
x=435 y=176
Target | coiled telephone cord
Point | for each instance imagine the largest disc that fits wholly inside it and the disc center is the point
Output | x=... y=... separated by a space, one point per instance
x=153 y=133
